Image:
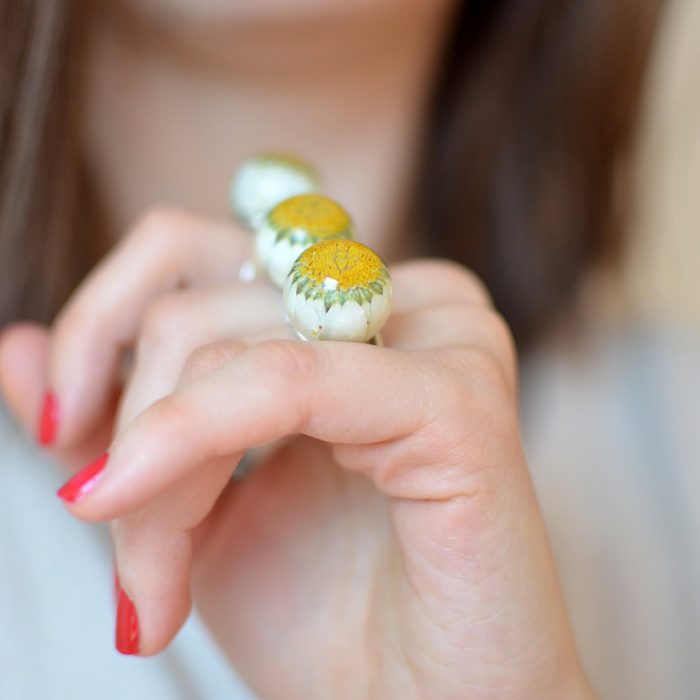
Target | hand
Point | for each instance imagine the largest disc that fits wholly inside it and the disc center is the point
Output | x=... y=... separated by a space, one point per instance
x=392 y=547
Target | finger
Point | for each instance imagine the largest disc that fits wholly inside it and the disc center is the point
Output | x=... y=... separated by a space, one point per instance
x=428 y=282
x=335 y=392
x=164 y=251
x=176 y=325
x=453 y=325
x=153 y=552
x=24 y=352
x=440 y=303
x=168 y=327
x=154 y=545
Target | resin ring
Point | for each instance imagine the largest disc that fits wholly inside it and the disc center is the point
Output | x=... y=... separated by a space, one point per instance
x=294 y=225
x=264 y=180
x=338 y=290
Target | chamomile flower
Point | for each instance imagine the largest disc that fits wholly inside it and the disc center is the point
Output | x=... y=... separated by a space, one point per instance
x=264 y=180
x=338 y=290
x=292 y=226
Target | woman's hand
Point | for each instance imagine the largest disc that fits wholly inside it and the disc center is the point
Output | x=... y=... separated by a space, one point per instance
x=390 y=547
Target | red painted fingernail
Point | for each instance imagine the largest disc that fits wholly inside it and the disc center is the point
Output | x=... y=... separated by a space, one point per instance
x=48 y=421
x=84 y=481
x=127 y=632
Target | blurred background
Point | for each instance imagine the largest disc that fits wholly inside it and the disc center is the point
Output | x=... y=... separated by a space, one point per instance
x=662 y=277
x=610 y=427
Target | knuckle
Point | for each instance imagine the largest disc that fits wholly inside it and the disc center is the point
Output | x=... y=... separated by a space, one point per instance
x=466 y=436
x=461 y=283
x=490 y=339
x=292 y=366
x=289 y=360
x=208 y=358
x=157 y=226
x=165 y=322
x=503 y=344
x=167 y=419
x=78 y=313
x=481 y=382
x=150 y=239
x=498 y=331
x=467 y=284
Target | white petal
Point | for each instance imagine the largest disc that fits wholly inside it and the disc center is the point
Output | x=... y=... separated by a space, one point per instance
x=345 y=322
x=260 y=184
x=291 y=299
x=309 y=317
x=378 y=313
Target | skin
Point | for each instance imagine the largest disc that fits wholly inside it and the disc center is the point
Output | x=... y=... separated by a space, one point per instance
x=388 y=542
x=190 y=99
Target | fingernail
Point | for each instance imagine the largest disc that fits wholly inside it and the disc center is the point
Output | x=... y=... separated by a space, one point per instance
x=127 y=632
x=84 y=481
x=48 y=421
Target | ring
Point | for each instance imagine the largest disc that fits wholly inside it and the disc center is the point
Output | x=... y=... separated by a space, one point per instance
x=295 y=224
x=334 y=288
x=338 y=290
x=264 y=180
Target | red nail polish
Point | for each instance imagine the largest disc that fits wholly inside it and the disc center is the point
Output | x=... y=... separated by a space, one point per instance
x=84 y=481
x=127 y=631
x=48 y=421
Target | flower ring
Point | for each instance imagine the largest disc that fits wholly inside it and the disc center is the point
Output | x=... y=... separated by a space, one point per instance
x=264 y=180
x=338 y=290
x=294 y=225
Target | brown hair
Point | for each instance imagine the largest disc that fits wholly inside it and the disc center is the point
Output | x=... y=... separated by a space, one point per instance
x=531 y=124
x=47 y=241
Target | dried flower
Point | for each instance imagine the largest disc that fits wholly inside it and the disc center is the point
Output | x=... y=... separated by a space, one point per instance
x=264 y=180
x=338 y=290
x=294 y=225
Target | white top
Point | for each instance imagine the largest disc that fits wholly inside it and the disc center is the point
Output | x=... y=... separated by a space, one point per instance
x=613 y=438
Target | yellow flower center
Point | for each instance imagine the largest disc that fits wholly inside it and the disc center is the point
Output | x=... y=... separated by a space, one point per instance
x=320 y=216
x=349 y=263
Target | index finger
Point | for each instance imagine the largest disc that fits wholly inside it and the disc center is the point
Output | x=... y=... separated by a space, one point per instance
x=335 y=392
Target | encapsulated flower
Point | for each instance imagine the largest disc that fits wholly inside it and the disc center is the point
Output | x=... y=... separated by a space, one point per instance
x=338 y=290
x=294 y=225
x=264 y=180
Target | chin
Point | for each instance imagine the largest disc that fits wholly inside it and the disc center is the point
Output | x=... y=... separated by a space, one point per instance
x=176 y=12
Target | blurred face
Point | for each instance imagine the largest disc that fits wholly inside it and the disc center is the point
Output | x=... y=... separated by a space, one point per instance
x=277 y=31
x=204 y=83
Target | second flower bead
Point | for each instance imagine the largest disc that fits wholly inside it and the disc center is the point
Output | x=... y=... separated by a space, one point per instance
x=295 y=224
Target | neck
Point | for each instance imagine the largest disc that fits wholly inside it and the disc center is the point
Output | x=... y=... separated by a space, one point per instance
x=173 y=108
